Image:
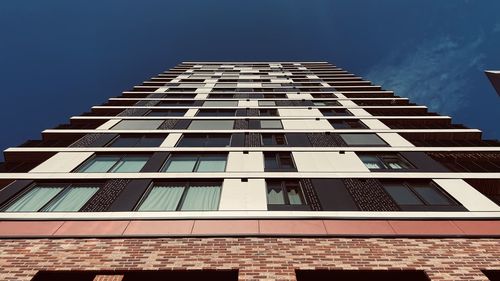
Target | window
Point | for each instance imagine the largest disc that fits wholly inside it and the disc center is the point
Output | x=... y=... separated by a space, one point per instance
x=205 y=140
x=166 y=112
x=267 y=103
x=278 y=161
x=53 y=198
x=216 y=112
x=211 y=125
x=176 y=103
x=385 y=162
x=137 y=141
x=182 y=196
x=363 y=140
x=268 y=112
x=138 y=125
x=335 y=112
x=221 y=103
x=417 y=194
x=270 y=124
x=114 y=164
x=274 y=139
x=326 y=103
x=347 y=124
x=182 y=163
x=285 y=193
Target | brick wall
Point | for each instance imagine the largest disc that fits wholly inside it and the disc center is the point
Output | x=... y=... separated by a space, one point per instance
x=255 y=258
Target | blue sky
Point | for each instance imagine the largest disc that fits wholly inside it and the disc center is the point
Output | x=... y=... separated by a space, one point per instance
x=58 y=58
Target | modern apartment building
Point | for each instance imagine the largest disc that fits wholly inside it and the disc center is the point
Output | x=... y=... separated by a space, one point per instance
x=252 y=171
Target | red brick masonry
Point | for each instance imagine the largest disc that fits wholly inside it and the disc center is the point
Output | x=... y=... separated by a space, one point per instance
x=257 y=258
x=162 y=228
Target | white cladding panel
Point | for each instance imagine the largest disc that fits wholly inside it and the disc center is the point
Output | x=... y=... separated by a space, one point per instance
x=328 y=162
x=62 y=162
x=243 y=196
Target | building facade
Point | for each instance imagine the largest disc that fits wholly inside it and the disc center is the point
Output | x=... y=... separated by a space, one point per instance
x=494 y=77
x=252 y=171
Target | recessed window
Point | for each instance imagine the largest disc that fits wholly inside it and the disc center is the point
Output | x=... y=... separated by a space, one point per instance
x=211 y=125
x=222 y=103
x=268 y=112
x=267 y=103
x=274 y=139
x=184 y=163
x=114 y=164
x=166 y=112
x=417 y=194
x=326 y=103
x=216 y=112
x=182 y=196
x=149 y=140
x=362 y=140
x=176 y=103
x=285 y=193
x=53 y=198
x=205 y=140
x=138 y=125
x=271 y=124
x=335 y=112
x=347 y=124
x=278 y=161
x=385 y=162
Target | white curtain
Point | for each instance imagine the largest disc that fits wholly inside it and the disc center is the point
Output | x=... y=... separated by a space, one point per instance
x=181 y=163
x=162 y=198
x=34 y=199
x=71 y=200
x=130 y=165
x=212 y=164
x=294 y=197
x=100 y=164
x=275 y=196
x=202 y=198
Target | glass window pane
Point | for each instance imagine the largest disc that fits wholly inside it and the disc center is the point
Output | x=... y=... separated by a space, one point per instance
x=99 y=164
x=267 y=103
x=372 y=162
x=212 y=163
x=181 y=163
x=201 y=198
x=130 y=164
x=162 y=198
x=150 y=141
x=402 y=194
x=221 y=140
x=192 y=140
x=34 y=199
x=431 y=195
x=270 y=161
x=71 y=200
x=125 y=141
x=395 y=162
x=363 y=140
x=159 y=112
x=295 y=195
x=211 y=125
x=270 y=124
x=275 y=195
x=138 y=125
x=220 y=103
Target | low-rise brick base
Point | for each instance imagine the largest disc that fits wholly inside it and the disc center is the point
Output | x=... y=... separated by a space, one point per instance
x=255 y=258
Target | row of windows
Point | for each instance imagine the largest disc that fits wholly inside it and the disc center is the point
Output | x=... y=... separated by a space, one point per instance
x=340 y=124
x=205 y=196
x=216 y=162
x=239 y=112
x=224 y=140
x=230 y=103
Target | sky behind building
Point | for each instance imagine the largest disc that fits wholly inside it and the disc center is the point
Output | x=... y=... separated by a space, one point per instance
x=59 y=58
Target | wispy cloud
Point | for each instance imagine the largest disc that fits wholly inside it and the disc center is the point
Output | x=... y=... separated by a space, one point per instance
x=435 y=73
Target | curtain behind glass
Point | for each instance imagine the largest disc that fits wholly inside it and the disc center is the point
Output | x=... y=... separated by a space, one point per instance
x=181 y=163
x=130 y=165
x=100 y=164
x=202 y=198
x=71 y=200
x=162 y=198
x=212 y=163
x=275 y=196
x=34 y=199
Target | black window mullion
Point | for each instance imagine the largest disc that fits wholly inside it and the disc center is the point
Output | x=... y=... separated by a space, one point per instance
x=116 y=163
x=183 y=197
x=64 y=190
x=285 y=192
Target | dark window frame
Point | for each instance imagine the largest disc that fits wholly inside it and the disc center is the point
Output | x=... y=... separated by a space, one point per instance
x=285 y=186
x=198 y=155
x=166 y=110
x=273 y=139
x=206 y=139
x=278 y=160
x=382 y=158
x=140 y=138
x=121 y=156
x=410 y=185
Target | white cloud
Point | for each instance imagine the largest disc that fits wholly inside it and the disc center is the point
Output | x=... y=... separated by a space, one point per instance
x=435 y=73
